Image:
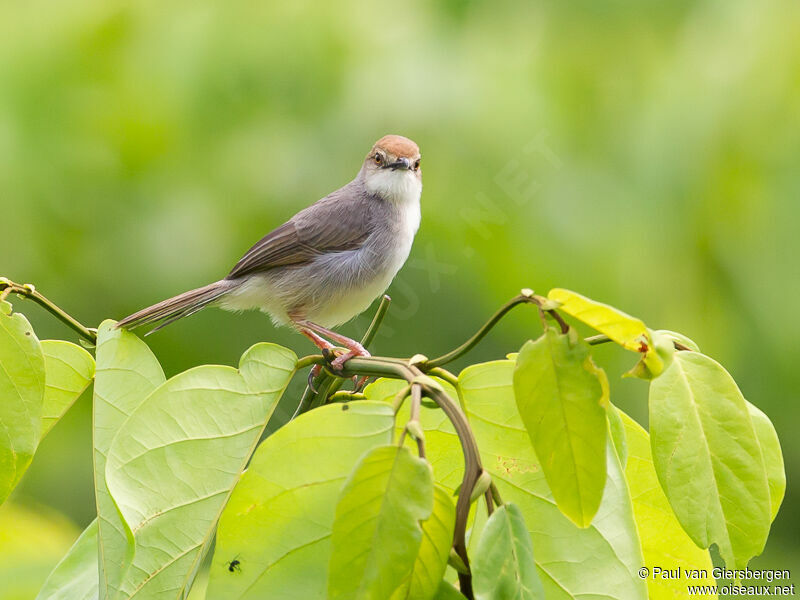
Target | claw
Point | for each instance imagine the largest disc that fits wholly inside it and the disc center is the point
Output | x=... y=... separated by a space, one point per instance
x=313 y=374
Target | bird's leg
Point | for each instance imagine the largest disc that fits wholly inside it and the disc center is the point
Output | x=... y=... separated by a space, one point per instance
x=353 y=347
x=323 y=345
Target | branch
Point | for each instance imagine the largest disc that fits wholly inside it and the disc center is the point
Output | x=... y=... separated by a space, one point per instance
x=525 y=297
x=27 y=290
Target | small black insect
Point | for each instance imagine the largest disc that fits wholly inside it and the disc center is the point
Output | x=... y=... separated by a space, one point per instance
x=234 y=565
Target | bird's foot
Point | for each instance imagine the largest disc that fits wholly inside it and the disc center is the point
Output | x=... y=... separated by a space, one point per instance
x=354 y=349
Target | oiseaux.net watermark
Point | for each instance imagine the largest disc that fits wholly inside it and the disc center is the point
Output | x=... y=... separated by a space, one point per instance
x=750 y=583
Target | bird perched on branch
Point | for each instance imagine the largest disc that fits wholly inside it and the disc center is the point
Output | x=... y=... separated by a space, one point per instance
x=326 y=264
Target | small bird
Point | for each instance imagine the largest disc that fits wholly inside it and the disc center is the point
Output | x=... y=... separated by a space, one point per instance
x=327 y=263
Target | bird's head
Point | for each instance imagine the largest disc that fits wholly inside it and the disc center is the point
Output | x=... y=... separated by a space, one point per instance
x=392 y=168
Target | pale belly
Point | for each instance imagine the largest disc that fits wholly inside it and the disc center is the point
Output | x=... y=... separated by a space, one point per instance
x=330 y=291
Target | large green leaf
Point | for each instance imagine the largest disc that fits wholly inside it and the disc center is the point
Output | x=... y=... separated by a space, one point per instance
x=377 y=529
x=708 y=457
x=565 y=554
x=68 y=371
x=431 y=562
x=22 y=386
x=503 y=566
x=277 y=523
x=174 y=462
x=773 y=457
x=664 y=543
x=76 y=576
x=561 y=399
x=126 y=373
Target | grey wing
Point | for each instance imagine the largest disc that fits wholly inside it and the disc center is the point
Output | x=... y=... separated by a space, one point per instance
x=333 y=224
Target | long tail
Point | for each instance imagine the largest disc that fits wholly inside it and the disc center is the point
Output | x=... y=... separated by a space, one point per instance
x=172 y=309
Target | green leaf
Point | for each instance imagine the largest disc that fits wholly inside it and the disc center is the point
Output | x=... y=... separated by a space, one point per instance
x=561 y=400
x=773 y=457
x=376 y=532
x=278 y=521
x=664 y=543
x=608 y=548
x=69 y=369
x=22 y=385
x=627 y=331
x=503 y=566
x=617 y=430
x=708 y=458
x=447 y=591
x=76 y=575
x=175 y=460
x=126 y=373
x=431 y=562
x=680 y=338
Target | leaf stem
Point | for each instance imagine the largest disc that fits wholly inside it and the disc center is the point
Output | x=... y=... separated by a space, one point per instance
x=416 y=403
x=595 y=340
x=496 y=494
x=400 y=398
x=307 y=361
x=443 y=374
x=27 y=290
x=372 y=330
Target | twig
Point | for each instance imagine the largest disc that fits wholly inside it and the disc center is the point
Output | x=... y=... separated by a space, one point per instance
x=562 y=323
x=595 y=340
x=443 y=374
x=526 y=297
x=27 y=290
x=413 y=427
x=372 y=330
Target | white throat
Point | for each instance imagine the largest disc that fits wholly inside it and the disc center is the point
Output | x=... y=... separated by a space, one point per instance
x=398 y=186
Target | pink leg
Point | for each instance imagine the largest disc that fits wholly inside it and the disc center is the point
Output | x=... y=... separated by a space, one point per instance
x=353 y=347
x=320 y=343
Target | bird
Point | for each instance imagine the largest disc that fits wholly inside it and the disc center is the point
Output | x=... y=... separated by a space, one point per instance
x=326 y=264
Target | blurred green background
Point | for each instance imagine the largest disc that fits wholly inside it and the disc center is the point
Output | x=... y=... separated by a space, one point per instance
x=642 y=153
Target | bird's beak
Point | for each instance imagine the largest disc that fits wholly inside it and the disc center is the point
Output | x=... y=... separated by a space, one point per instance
x=400 y=163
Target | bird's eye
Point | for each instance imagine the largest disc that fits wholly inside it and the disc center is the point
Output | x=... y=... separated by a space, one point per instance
x=416 y=165
x=377 y=158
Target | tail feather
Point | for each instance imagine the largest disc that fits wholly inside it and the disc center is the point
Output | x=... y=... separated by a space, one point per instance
x=170 y=310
